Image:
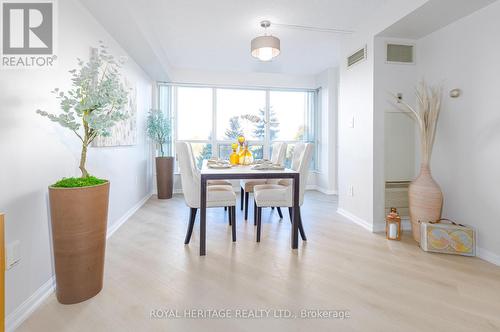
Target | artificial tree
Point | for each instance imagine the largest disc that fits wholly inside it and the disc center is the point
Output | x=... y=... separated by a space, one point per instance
x=159 y=130
x=95 y=102
x=79 y=206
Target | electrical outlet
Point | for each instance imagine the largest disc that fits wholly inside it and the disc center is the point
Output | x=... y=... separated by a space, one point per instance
x=351 y=190
x=13 y=254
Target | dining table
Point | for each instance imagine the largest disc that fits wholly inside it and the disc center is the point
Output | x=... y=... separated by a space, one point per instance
x=241 y=172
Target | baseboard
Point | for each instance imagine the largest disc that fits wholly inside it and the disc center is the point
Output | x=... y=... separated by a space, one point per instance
x=21 y=313
x=321 y=189
x=116 y=225
x=488 y=256
x=355 y=219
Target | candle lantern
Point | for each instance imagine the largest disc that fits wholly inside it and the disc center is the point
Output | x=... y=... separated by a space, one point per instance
x=393 y=225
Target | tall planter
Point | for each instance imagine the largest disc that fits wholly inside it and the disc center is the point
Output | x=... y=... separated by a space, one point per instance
x=79 y=220
x=165 y=177
x=426 y=200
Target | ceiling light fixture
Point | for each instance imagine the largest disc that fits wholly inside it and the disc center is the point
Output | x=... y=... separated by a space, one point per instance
x=266 y=47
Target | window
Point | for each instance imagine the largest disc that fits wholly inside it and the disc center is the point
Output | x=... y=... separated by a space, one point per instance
x=211 y=118
x=234 y=108
x=194 y=112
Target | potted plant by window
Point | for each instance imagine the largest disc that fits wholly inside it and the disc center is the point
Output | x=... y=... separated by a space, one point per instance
x=159 y=128
x=79 y=206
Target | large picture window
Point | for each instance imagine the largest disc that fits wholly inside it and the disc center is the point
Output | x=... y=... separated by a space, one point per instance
x=211 y=118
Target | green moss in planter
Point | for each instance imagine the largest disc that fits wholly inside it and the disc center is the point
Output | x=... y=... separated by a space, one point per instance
x=78 y=182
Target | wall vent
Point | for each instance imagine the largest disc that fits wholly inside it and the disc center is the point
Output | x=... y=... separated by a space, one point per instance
x=398 y=53
x=356 y=57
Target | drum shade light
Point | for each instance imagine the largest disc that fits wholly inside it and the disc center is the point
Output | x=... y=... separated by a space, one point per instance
x=265 y=48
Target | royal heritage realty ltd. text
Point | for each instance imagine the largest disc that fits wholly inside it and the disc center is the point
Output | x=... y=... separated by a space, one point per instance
x=248 y=314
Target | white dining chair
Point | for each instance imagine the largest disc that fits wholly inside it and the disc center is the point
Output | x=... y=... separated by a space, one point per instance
x=278 y=153
x=281 y=194
x=217 y=195
x=211 y=182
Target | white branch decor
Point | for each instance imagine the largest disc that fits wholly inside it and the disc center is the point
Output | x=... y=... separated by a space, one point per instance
x=427 y=115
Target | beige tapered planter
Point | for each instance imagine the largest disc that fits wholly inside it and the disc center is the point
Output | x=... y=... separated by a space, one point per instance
x=426 y=200
x=79 y=218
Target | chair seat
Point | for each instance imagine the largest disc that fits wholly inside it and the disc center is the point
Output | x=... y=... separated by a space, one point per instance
x=220 y=196
x=219 y=183
x=285 y=182
x=248 y=185
x=272 y=195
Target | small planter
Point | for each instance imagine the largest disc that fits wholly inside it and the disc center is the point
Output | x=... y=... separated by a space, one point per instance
x=165 y=177
x=79 y=220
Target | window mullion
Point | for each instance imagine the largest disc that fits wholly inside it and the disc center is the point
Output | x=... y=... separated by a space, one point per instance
x=267 y=127
x=215 y=148
x=176 y=117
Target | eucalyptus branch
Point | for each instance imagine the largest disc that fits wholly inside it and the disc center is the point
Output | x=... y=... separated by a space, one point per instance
x=77 y=134
x=96 y=101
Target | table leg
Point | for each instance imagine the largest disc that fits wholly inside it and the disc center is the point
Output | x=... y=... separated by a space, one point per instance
x=203 y=216
x=296 y=212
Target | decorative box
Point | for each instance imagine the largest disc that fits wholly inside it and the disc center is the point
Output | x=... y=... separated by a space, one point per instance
x=447 y=237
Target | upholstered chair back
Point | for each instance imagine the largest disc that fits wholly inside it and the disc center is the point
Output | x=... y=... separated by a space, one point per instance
x=191 y=153
x=190 y=175
x=301 y=160
x=278 y=153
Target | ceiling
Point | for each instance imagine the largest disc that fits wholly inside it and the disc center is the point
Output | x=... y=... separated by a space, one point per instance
x=215 y=35
x=432 y=16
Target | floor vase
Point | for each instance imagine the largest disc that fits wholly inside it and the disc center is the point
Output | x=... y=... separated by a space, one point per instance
x=426 y=200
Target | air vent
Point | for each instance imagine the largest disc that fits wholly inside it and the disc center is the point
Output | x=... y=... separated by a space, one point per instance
x=397 y=53
x=356 y=57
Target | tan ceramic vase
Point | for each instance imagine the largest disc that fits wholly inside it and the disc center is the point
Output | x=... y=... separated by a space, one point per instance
x=426 y=200
x=79 y=219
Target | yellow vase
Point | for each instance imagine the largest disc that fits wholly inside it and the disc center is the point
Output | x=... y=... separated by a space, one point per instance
x=234 y=158
x=245 y=157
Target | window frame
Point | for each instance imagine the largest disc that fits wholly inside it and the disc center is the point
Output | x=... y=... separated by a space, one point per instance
x=171 y=108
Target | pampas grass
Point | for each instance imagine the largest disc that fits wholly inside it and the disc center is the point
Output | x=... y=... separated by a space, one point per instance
x=427 y=115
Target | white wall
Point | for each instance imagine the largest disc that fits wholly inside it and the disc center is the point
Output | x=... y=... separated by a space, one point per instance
x=399 y=130
x=356 y=143
x=395 y=132
x=361 y=149
x=466 y=158
x=326 y=178
x=36 y=152
x=255 y=79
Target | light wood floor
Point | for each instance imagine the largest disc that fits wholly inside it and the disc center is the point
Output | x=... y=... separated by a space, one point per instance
x=386 y=286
